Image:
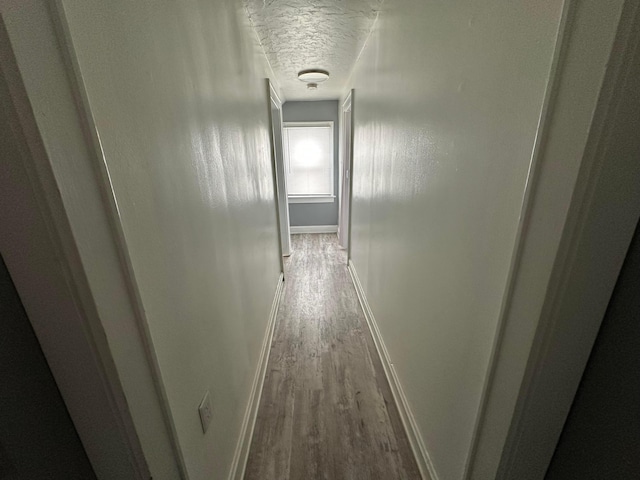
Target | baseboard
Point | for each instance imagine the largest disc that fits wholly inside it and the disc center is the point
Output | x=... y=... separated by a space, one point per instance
x=314 y=229
x=408 y=421
x=248 y=423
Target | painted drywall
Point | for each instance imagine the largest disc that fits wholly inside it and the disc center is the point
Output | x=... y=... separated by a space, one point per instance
x=448 y=97
x=304 y=214
x=601 y=436
x=180 y=103
x=179 y=99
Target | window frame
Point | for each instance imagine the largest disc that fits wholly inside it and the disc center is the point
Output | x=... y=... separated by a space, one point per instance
x=315 y=198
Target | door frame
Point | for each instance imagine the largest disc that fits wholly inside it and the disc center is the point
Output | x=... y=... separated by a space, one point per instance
x=579 y=213
x=43 y=258
x=601 y=221
x=345 y=182
x=91 y=343
x=279 y=177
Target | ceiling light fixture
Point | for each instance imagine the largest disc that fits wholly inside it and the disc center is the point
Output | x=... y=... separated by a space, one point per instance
x=312 y=77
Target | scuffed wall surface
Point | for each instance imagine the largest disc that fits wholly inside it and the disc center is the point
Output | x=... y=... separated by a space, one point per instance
x=447 y=100
x=179 y=98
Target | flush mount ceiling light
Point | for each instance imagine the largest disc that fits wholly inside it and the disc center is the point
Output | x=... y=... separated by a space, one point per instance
x=313 y=77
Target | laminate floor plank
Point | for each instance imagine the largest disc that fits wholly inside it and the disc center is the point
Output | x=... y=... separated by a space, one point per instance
x=326 y=411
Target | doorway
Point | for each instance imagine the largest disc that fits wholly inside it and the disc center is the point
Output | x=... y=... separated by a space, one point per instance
x=346 y=165
x=280 y=180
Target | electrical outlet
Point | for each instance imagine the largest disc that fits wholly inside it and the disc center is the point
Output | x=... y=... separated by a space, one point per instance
x=206 y=412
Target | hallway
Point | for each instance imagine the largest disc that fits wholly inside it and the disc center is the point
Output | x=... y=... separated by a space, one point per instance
x=479 y=160
x=326 y=410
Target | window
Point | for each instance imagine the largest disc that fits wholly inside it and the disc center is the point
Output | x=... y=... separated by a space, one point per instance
x=308 y=161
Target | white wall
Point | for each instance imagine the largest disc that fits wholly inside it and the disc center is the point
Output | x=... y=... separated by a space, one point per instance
x=448 y=97
x=180 y=102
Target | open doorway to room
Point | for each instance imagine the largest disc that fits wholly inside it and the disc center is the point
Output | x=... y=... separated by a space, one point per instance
x=346 y=166
x=310 y=157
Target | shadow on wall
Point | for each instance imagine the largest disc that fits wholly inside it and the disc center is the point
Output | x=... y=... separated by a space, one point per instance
x=601 y=437
x=37 y=438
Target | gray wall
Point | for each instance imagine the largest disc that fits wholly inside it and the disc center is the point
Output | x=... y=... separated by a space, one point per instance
x=601 y=437
x=303 y=214
x=37 y=438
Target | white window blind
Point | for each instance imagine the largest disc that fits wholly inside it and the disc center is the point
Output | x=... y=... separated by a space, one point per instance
x=308 y=158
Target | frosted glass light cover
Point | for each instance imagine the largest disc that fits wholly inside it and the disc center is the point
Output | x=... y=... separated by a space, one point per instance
x=313 y=76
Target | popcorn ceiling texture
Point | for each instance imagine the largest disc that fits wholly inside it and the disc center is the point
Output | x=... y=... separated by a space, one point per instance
x=301 y=34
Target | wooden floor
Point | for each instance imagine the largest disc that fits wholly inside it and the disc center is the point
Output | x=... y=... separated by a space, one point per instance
x=326 y=410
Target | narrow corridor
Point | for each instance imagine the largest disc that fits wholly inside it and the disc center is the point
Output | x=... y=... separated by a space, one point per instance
x=326 y=410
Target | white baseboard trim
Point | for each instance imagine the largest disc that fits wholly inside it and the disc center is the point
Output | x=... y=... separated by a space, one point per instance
x=423 y=459
x=315 y=229
x=241 y=454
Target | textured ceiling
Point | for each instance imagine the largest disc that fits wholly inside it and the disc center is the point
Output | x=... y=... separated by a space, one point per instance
x=301 y=34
